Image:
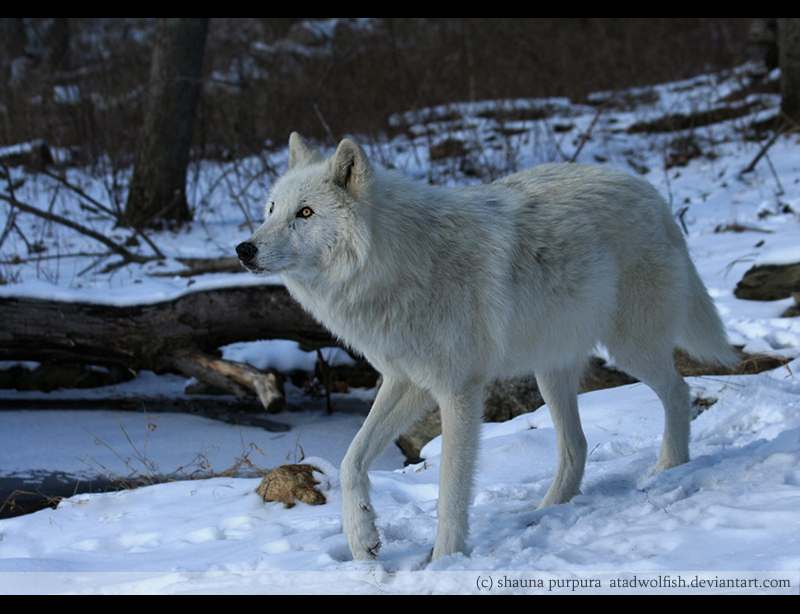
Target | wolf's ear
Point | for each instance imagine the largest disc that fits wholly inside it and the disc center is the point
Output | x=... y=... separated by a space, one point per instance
x=299 y=153
x=350 y=166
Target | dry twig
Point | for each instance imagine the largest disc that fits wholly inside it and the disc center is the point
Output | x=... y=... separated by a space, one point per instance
x=127 y=255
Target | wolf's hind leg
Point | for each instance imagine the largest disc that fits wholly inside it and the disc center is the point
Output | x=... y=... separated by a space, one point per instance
x=559 y=388
x=657 y=370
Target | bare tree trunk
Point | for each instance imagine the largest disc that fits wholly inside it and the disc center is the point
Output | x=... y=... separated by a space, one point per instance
x=12 y=45
x=58 y=49
x=789 y=50
x=158 y=187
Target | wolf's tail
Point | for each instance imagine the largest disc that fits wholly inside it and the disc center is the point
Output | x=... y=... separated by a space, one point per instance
x=703 y=334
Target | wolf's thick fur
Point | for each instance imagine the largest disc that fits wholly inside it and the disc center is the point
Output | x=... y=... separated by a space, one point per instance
x=443 y=290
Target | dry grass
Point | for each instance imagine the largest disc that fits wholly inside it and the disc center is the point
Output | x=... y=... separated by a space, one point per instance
x=140 y=470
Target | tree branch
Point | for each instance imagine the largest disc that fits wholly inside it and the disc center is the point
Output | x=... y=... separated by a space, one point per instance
x=751 y=167
x=114 y=247
x=100 y=206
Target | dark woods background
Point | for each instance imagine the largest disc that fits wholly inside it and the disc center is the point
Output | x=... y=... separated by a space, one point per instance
x=81 y=83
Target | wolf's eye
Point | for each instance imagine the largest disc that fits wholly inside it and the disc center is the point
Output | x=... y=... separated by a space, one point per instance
x=271 y=208
x=305 y=213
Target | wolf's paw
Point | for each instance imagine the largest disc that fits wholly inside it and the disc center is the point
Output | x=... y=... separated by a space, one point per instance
x=364 y=544
x=448 y=543
x=669 y=460
x=666 y=466
x=359 y=528
x=560 y=492
x=367 y=550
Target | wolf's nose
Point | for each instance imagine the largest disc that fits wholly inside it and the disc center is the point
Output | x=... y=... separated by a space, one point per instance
x=247 y=252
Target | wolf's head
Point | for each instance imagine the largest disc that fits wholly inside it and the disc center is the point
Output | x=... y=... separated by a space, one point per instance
x=314 y=218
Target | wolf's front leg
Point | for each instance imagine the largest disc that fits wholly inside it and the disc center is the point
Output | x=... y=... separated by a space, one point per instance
x=358 y=521
x=397 y=405
x=461 y=419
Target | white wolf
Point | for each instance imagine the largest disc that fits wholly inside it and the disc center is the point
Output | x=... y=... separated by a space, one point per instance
x=443 y=290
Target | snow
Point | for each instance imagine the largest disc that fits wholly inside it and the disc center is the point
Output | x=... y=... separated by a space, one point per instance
x=283 y=356
x=730 y=515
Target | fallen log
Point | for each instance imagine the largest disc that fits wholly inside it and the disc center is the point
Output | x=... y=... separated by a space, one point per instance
x=171 y=336
x=769 y=282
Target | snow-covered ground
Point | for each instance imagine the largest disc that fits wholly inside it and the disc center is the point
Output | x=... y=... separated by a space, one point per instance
x=731 y=515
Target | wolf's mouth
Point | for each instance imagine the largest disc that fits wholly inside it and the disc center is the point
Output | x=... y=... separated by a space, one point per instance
x=250 y=267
